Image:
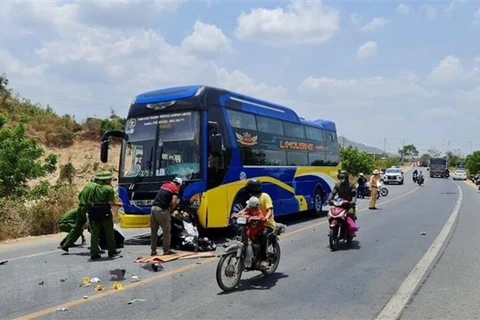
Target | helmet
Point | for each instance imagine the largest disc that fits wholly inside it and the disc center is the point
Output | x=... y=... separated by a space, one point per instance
x=253 y=202
x=178 y=181
x=342 y=176
x=254 y=186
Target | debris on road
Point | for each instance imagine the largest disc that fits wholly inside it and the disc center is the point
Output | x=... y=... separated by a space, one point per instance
x=41 y=283
x=135 y=278
x=3 y=262
x=135 y=300
x=117 y=274
x=423 y=233
x=63 y=280
x=95 y=280
x=99 y=287
x=62 y=309
x=156 y=267
x=85 y=297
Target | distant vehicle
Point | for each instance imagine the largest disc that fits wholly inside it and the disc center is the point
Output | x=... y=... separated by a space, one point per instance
x=423 y=163
x=382 y=174
x=438 y=167
x=460 y=175
x=393 y=175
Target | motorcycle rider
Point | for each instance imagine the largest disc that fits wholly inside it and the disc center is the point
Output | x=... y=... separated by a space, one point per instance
x=362 y=181
x=415 y=174
x=420 y=176
x=345 y=190
x=254 y=187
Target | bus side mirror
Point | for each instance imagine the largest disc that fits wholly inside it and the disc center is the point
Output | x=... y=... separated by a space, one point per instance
x=216 y=145
x=104 y=151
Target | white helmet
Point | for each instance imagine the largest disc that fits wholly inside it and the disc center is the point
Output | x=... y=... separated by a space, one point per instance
x=253 y=202
x=178 y=180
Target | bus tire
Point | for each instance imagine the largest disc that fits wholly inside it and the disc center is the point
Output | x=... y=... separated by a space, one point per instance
x=318 y=199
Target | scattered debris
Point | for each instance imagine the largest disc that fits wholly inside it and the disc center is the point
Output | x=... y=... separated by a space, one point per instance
x=85 y=297
x=41 y=283
x=117 y=274
x=95 y=280
x=155 y=267
x=305 y=268
x=3 y=262
x=63 y=280
x=86 y=282
x=135 y=300
x=117 y=286
x=135 y=278
x=62 y=309
x=99 y=287
x=423 y=233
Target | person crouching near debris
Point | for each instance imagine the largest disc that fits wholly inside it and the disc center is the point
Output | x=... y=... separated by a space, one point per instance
x=99 y=202
x=163 y=204
x=67 y=223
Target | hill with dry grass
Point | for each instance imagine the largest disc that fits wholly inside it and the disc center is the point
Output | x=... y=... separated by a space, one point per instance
x=75 y=145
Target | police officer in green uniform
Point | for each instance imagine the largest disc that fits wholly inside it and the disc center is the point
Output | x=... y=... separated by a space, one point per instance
x=67 y=223
x=81 y=218
x=99 y=202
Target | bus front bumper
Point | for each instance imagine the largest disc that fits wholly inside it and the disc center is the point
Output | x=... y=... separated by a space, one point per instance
x=134 y=220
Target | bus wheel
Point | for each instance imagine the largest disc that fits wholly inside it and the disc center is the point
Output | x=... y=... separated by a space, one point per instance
x=318 y=202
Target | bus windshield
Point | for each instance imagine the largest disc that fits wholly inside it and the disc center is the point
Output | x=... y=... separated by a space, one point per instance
x=172 y=151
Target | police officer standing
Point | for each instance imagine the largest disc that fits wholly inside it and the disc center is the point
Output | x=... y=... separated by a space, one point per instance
x=100 y=199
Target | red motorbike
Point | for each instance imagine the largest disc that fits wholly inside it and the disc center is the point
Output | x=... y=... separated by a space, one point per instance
x=342 y=224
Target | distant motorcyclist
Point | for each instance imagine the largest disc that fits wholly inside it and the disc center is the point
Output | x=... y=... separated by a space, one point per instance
x=420 y=177
x=415 y=174
x=362 y=181
x=345 y=190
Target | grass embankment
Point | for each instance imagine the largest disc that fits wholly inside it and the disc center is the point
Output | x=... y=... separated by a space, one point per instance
x=76 y=145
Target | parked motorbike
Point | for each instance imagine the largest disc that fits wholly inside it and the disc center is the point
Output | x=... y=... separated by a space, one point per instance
x=382 y=191
x=342 y=224
x=420 y=181
x=242 y=254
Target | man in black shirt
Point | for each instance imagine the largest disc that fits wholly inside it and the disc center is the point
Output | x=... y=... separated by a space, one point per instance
x=362 y=181
x=345 y=190
x=164 y=202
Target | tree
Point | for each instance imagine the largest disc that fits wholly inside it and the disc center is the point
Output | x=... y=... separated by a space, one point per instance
x=354 y=161
x=409 y=150
x=425 y=157
x=453 y=159
x=434 y=153
x=21 y=159
x=472 y=162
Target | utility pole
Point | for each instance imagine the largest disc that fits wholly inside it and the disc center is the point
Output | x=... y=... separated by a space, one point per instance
x=385 y=145
x=449 y=142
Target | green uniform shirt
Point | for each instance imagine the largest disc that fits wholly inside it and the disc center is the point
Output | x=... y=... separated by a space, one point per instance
x=69 y=217
x=96 y=193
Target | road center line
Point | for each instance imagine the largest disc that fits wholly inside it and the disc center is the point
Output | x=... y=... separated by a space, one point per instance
x=397 y=303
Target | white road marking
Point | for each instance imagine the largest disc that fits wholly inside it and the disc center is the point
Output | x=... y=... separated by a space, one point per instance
x=397 y=303
x=33 y=255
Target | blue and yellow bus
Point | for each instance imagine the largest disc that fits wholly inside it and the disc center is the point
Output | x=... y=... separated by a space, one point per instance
x=215 y=140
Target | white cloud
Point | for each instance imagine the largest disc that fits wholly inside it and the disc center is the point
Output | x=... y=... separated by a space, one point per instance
x=430 y=11
x=448 y=69
x=439 y=112
x=375 y=23
x=402 y=9
x=304 y=22
x=476 y=16
x=367 y=49
x=206 y=39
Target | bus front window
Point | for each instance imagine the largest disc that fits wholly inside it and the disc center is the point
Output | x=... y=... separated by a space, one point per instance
x=163 y=145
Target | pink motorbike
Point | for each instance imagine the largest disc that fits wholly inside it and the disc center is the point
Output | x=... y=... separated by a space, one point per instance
x=342 y=224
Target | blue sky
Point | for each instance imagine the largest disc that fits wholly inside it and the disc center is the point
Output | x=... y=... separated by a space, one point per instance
x=380 y=69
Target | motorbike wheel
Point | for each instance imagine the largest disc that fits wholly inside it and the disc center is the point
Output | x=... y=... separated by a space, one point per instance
x=228 y=271
x=383 y=192
x=333 y=238
x=276 y=260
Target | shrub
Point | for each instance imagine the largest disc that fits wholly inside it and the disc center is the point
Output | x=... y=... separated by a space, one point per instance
x=67 y=173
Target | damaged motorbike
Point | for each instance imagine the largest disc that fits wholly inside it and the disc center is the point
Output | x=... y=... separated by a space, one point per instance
x=242 y=254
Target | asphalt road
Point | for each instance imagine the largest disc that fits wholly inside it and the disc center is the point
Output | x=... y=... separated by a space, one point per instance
x=311 y=282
